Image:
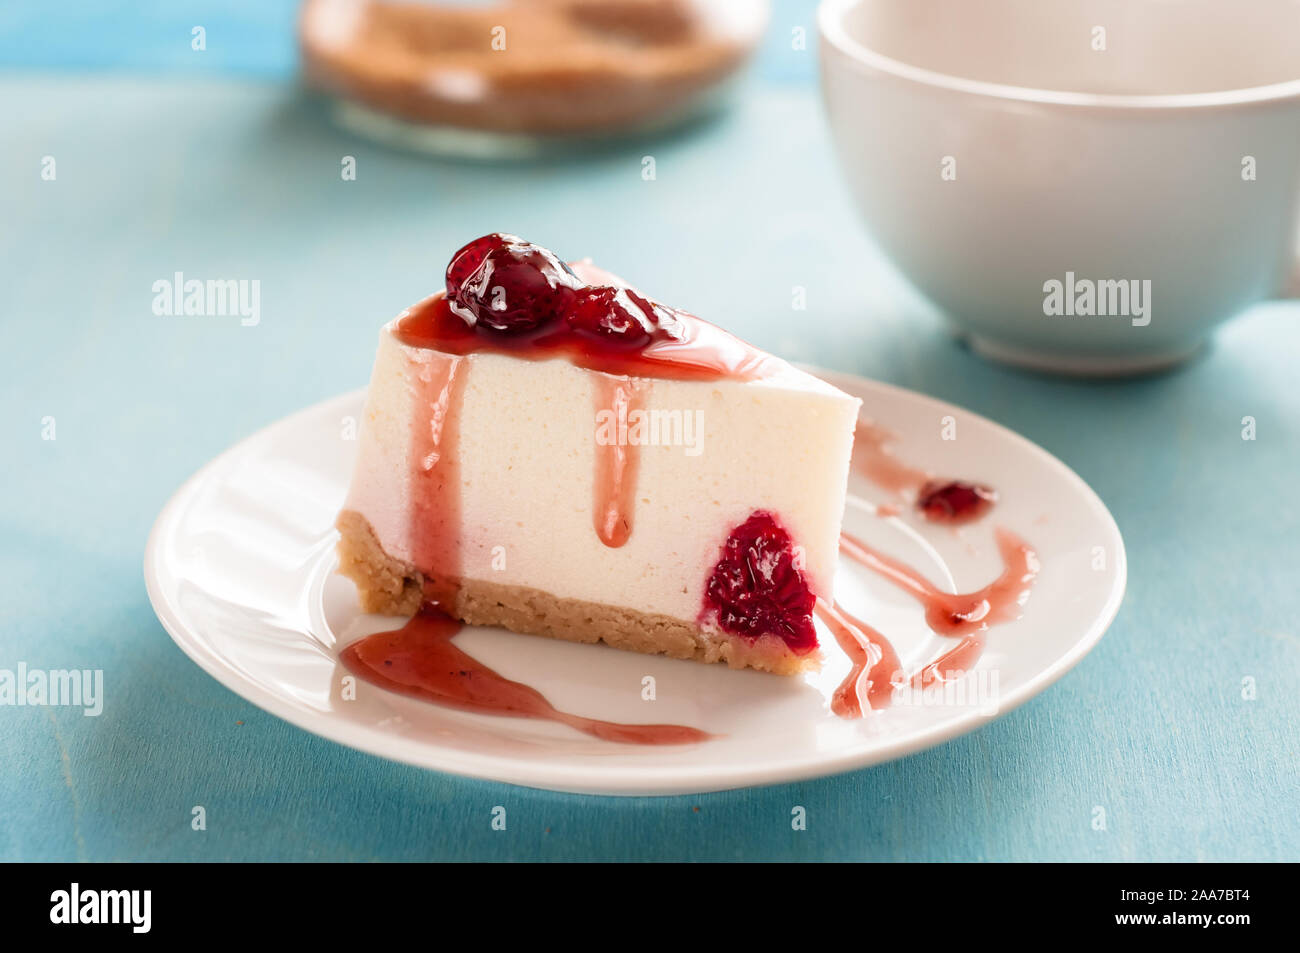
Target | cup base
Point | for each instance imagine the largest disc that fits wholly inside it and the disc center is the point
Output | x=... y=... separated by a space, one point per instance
x=1080 y=365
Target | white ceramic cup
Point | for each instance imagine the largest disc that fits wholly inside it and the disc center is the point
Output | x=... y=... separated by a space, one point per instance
x=1025 y=162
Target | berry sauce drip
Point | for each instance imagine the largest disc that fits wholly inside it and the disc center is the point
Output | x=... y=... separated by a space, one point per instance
x=434 y=465
x=954 y=502
x=420 y=660
x=508 y=296
x=963 y=616
x=617 y=460
x=875 y=663
x=959 y=614
x=873 y=459
x=757 y=587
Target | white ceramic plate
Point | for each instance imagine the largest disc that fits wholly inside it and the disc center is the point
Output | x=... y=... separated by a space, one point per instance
x=240 y=565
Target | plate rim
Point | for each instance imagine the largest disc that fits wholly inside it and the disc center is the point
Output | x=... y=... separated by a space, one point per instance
x=638 y=780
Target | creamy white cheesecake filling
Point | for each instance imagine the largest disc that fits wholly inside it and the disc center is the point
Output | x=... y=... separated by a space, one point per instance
x=527 y=460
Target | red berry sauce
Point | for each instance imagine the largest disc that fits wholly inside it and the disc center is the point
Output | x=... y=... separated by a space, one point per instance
x=421 y=660
x=509 y=296
x=954 y=502
x=758 y=588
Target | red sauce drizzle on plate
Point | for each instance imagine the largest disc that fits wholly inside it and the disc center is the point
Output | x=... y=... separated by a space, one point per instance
x=953 y=502
x=959 y=614
x=873 y=459
x=420 y=660
x=964 y=616
x=875 y=663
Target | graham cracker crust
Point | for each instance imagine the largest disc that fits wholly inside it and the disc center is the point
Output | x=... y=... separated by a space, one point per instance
x=392 y=587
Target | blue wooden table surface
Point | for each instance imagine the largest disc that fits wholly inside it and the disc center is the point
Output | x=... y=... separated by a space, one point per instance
x=166 y=162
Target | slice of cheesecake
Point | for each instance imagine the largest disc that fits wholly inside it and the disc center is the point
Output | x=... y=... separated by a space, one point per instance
x=546 y=449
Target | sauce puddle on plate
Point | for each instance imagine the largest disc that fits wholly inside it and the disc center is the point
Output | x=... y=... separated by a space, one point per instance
x=420 y=660
x=964 y=616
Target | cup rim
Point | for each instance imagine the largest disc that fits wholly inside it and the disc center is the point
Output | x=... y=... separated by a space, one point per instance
x=830 y=23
